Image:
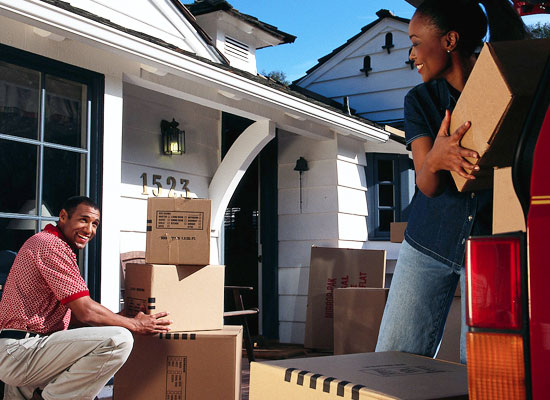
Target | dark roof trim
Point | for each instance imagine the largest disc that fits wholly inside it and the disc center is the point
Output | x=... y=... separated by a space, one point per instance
x=201 y=7
x=381 y=15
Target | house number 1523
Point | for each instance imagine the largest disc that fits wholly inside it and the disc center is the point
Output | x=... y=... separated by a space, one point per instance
x=170 y=181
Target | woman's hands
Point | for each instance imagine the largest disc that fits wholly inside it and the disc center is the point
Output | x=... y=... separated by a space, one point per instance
x=442 y=154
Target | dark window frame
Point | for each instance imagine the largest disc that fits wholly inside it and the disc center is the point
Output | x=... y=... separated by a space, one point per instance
x=96 y=89
x=402 y=164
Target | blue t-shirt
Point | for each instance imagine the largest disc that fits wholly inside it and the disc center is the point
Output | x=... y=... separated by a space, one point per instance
x=439 y=226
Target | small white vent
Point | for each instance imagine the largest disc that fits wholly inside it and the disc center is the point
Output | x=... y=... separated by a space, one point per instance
x=236 y=49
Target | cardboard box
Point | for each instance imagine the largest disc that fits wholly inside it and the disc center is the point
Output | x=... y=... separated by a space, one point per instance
x=496 y=99
x=450 y=343
x=183 y=366
x=193 y=295
x=397 y=231
x=507 y=212
x=357 y=316
x=332 y=268
x=388 y=375
x=178 y=231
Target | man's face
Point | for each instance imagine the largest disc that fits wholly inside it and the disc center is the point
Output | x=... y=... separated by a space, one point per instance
x=80 y=227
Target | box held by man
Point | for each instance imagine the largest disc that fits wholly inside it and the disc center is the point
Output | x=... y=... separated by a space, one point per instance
x=193 y=295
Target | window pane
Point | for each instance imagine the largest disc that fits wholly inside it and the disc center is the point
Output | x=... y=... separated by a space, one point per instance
x=385 y=196
x=14 y=232
x=386 y=217
x=64 y=176
x=18 y=177
x=385 y=170
x=65 y=112
x=19 y=101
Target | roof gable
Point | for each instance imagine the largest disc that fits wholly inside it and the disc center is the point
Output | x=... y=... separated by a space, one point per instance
x=164 y=20
x=383 y=15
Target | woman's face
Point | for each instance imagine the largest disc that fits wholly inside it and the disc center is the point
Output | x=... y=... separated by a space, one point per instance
x=428 y=48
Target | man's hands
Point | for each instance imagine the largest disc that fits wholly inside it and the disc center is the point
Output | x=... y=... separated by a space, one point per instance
x=92 y=313
x=431 y=157
x=151 y=324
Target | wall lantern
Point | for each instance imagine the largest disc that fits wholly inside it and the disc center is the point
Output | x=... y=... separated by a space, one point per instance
x=301 y=166
x=173 y=139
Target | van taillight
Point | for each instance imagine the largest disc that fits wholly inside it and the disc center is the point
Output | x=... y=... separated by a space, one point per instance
x=495 y=366
x=493 y=289
x=495 y=343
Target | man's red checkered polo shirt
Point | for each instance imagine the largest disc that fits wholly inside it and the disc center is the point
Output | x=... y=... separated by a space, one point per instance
x=43 y=279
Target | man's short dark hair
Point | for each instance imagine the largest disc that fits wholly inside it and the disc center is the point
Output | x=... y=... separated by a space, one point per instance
x=73 y=202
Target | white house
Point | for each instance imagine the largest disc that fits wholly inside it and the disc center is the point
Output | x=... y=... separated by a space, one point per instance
x=84 y=86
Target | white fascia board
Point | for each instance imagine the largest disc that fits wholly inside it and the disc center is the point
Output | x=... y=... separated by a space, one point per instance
x=78 y=28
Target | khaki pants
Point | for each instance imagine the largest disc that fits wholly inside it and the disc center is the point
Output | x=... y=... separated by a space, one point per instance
x=72 y=364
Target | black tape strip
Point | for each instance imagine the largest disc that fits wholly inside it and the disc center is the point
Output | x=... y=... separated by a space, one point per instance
x=301 y=377
x=168 y=336
x=355 y=391
x=340 y=389
x=184 y=336
x=176 y=336
x=149 y=228
x=313 y=381
x=288 y=374
x=326 y=384
x=151 y=300
x=193 y=336
x=151 y=307
x=149 y=221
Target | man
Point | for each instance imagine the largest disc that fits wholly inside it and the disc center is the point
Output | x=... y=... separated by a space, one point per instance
x=39 y=357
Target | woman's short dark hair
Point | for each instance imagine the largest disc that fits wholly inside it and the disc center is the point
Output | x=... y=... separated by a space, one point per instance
x=467 y=18
x=73 y=202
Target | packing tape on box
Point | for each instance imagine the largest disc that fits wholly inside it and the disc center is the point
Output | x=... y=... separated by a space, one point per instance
x=314 y=378
x=178 y=336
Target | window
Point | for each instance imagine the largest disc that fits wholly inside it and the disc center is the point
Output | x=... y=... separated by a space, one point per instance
x=388 y=42
x=50 y=144
x=388 y=193
x=366 y=65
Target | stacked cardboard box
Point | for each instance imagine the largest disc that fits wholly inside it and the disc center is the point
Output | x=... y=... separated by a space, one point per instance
x=330 y=269
x=178 y=278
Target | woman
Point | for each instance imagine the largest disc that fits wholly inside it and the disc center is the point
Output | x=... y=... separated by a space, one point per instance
x=445 y=35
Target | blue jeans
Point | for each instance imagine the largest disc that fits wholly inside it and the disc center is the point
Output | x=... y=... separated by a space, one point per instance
x=419 y=300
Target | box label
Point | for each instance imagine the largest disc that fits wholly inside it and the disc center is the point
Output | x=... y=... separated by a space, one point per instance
x=176 y=377
x=188 y=220
x=387 y=371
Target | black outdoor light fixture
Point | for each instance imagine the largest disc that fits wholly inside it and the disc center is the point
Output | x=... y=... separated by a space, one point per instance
x=173 y=139
x=301 y=167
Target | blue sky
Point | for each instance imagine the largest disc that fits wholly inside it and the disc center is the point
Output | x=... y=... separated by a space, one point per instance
x=320 y=27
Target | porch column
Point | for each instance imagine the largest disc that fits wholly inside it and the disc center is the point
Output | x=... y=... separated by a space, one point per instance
x=229 y=173
x=110 y=210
